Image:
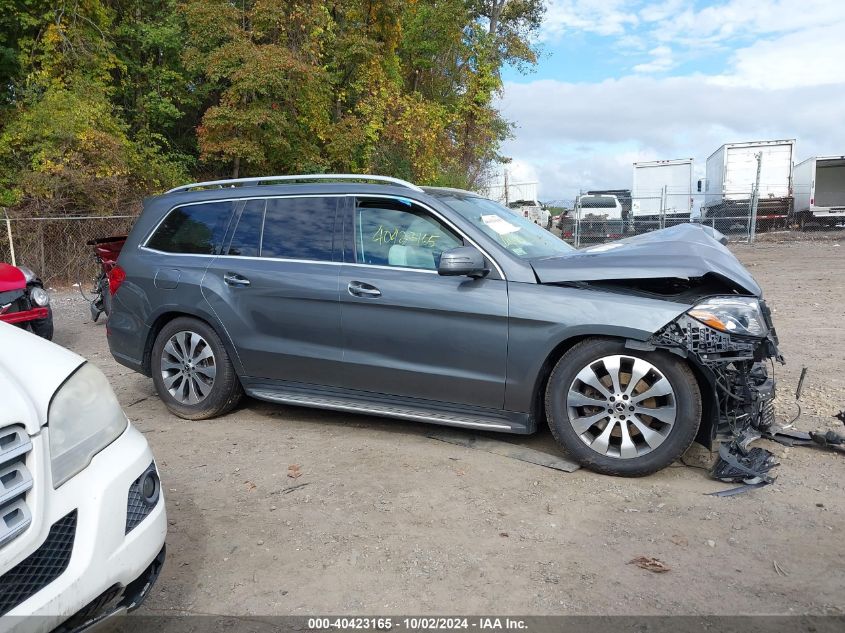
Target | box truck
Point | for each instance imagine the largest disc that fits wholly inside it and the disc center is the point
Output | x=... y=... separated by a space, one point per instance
x=661 y=193
x=819 y=189
x=731 y=174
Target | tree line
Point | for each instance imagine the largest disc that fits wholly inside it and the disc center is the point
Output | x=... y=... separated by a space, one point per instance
x=105 y=101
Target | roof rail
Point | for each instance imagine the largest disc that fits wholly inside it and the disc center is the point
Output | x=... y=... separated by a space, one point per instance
x=235 y=182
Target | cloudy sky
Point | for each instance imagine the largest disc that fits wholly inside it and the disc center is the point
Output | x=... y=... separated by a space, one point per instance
x=622 y=81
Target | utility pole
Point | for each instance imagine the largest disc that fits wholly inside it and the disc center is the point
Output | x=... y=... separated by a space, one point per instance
x=755 y=197
x=11 y=241
x=507 y=193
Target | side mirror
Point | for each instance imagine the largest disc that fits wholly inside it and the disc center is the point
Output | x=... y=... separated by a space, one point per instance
x=463 y=260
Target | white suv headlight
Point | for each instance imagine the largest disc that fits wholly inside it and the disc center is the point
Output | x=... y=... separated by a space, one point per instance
x=734 y=315
x=83 y=419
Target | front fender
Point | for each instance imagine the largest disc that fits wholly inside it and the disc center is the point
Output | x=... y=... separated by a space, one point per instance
x=544 y=320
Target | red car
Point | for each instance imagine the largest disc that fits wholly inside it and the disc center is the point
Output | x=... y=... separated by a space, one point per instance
x=23 y=300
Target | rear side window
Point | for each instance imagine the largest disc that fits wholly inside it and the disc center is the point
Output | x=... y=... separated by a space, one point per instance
x=299 y=228
x=195 y=229
x=247 y=238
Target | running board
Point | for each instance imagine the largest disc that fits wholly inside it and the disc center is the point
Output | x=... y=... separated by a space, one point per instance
x=415 y=413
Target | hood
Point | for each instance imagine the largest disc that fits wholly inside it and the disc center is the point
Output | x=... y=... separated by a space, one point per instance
x=684 y=251
x=11 y=278
x=31 y=370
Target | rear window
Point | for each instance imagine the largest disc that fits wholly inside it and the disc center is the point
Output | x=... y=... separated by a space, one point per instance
x=299 y=228
x=195 y=229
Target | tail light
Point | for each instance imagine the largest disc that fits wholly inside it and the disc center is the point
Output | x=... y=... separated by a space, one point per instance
x=116 y=277
x=812 y=201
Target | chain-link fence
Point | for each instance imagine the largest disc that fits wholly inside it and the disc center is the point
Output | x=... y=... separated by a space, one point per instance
x=740 y=215
x=55 y=247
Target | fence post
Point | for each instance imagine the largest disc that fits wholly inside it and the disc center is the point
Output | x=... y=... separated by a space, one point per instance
x=9 y=232
x=578 y=222
x=755 y=196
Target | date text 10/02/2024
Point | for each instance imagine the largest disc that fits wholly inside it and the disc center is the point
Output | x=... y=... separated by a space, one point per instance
x=418 y=623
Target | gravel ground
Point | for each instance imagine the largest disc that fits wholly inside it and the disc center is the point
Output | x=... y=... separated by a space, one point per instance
x=385 y=520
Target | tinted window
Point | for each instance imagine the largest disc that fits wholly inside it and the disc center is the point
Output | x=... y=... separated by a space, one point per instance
x=299 y=228
x=247 y=238
x=392 y=233
x=198 y=228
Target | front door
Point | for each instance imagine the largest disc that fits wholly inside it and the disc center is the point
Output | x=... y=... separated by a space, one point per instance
x=407 y=331
x=275 y=289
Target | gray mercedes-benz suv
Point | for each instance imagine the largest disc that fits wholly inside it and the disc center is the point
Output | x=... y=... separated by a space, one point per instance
x=441 y=306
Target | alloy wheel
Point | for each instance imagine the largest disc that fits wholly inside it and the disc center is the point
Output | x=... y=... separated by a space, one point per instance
x=621 y=406
x=188 y=367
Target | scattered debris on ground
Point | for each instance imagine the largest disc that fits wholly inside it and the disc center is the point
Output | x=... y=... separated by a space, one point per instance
x=650 y=564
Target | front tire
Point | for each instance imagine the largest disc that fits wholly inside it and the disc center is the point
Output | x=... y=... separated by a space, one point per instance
x=192 y=372
x=622 y=412
x=44 y=327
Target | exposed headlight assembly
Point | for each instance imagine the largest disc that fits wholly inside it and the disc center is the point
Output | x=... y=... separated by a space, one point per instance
x=734 y=315
x=83 y=419
x=39 y=296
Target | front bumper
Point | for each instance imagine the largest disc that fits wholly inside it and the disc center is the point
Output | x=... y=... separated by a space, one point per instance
x=33 y=314
x=106 y=561
x=736 y=370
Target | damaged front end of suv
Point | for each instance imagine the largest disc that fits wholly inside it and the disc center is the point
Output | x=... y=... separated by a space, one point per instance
x=723 y=329
x=733 y=343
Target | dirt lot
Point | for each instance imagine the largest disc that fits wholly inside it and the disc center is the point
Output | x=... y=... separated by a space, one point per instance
x=385 y=520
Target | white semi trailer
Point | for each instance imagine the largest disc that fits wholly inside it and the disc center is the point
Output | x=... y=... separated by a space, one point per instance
x=731 y=175
x=819 y=189
x=661 y=193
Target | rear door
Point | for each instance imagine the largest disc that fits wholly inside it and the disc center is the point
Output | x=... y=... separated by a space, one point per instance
x=275 y=289
x=408 y=331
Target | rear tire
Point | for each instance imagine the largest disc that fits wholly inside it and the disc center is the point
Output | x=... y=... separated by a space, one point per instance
x=606 y=423
x=192 y=372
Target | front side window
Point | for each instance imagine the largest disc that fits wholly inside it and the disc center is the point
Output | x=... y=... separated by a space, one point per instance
x=299 y=228
x=193 y=229
x=397 y=233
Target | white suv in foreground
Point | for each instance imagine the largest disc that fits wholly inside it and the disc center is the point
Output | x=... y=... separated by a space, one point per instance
x=82 y=519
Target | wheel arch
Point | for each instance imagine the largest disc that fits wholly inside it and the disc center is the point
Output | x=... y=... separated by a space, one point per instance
x=709 y=413
x=166 y=316
x=538 y=400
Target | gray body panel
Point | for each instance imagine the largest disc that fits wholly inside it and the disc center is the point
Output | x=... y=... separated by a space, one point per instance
x=450 y=350
x=286 y=323
x=142 y=300
x=426 y=336
x=543 y=317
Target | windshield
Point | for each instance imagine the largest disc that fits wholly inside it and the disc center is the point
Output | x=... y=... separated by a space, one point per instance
x=519 y=235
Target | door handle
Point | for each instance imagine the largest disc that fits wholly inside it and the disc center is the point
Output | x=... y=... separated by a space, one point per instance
x=360 y=289
x=234 y=279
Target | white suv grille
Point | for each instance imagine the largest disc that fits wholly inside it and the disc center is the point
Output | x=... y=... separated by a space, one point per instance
x=15 y=481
